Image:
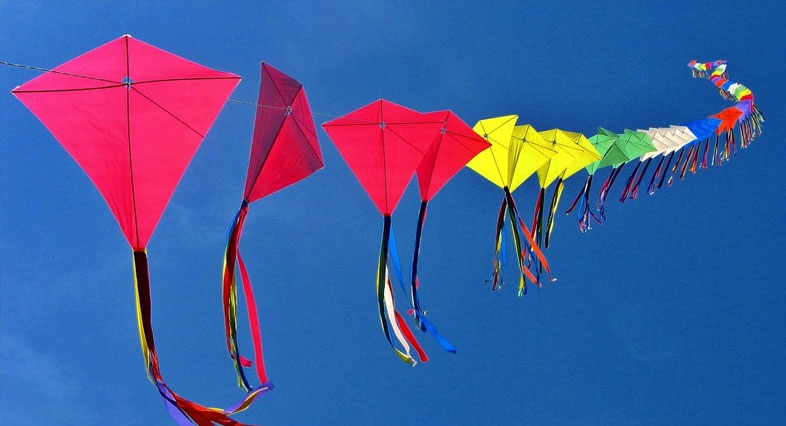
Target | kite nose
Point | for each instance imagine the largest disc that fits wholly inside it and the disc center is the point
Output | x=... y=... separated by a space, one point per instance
x=127 y=81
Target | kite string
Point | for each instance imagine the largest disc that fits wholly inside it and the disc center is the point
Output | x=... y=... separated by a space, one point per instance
x=30 y=67
x=235 y=101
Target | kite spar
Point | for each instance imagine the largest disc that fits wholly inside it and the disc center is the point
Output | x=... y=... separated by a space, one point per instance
x=284 y=150
x=132 y=116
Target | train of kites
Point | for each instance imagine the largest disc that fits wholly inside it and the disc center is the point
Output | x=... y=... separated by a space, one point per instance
x=133 y=115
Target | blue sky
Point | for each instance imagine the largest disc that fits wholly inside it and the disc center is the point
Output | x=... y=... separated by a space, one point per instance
x=672 y=313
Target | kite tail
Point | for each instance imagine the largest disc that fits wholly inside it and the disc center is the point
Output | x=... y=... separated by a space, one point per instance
x=499 y=246
x=415 y=255
x=534 y=252
x=386 y=304
x=733 y=142
x=715 y=159
x=743 y=134
x=687 y=160
x=757 y=113
x=635 y=192
x=537 y=224
x=604 y=191
x=584 y=210
x=651 y=187
x=183 y=411
x=537 y=216
x=704 y=156
x=578 y=197
x=666 y=170
x=553 y=209
x=629 y=183
x=523 y=272
x=229 y=297
x=695 y=158
x=420 y=317
x=676 y=165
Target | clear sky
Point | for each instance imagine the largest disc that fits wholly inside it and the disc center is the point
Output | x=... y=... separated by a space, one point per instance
x=671 y=313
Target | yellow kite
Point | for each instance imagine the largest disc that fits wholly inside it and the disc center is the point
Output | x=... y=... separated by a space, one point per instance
x=516 y=153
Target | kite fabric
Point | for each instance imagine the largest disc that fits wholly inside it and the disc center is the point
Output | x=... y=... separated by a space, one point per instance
x=516 y=153
x=132 y=116
x=383 y=144
x=452 y=148
x=691 y=142
x=284 y=150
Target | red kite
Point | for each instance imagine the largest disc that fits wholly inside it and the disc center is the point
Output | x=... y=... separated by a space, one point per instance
x=454 y=146
x=132 y=116
x=284 y=150
x=383 y=144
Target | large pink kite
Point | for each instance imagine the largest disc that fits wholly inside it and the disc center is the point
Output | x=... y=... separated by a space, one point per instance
x=132 y=116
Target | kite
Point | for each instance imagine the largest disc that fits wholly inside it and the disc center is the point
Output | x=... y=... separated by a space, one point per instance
x=383 y=144
x=575 y=152
x=284 y=150
x=516 y=152
x=452 y=148
x=132 y=116
x=605 y=144
x=627 y=147
x=687 y=139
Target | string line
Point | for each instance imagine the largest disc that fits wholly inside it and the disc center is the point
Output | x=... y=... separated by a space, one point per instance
x=235 y=101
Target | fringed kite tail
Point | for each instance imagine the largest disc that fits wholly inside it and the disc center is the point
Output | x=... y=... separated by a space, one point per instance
x=604 y=191
x=499 y=246
x=666 y=170
x=183 y=411
x=520 y=256
x=584 y=210
x=553 y=210
x=419 y=315
x=687 y=160
x=695 y=159
x=704 y=155
x=415 y=256
x=733 y=142
x=629 y=183
x=635 y=191
x=533 y=255
x=229 y=299
x=537 y=218
x=578 y=196
x=386 y=304
x=676 y=165
x=143 y=313
x=651 y=186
